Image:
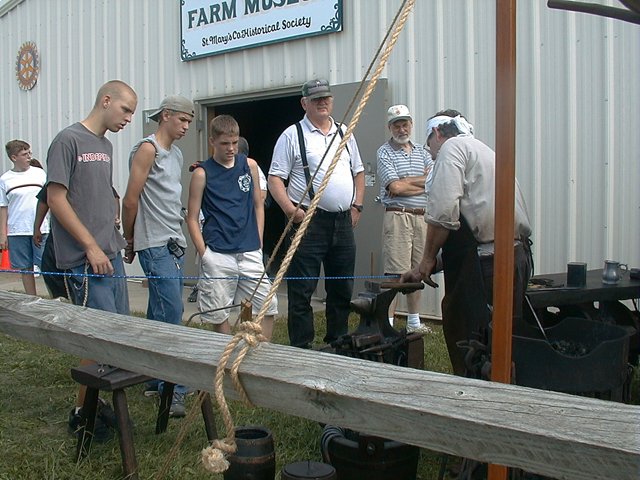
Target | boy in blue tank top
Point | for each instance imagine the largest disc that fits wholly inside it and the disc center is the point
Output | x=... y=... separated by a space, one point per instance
x=226 y=188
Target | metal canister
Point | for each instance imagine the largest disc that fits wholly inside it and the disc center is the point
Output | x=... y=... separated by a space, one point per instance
x=308 y=470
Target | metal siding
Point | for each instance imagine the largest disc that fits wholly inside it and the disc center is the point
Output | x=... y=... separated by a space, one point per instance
x=578 y=93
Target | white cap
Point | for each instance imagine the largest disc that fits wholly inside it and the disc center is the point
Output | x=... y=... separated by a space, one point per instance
x=398 y=112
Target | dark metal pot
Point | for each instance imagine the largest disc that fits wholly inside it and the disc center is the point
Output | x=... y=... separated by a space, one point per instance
x=356 y=456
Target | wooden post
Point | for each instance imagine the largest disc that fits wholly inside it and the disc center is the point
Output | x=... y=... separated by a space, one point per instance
x=246 y=311
x=505 y=194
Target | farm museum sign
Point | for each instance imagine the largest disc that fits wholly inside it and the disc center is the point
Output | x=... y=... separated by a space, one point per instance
x=214 y=27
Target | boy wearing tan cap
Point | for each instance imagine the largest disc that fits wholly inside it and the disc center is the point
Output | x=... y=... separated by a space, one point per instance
x=152 y=218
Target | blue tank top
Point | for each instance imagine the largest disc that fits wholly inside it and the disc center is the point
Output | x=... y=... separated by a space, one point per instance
x=230 y=224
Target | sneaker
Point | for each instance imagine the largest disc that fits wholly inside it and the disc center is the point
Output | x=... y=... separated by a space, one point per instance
x=101 y=431
x=424 y=329
x=193 y=296
x=177 y=408
x=151 y=390
x=75 y=420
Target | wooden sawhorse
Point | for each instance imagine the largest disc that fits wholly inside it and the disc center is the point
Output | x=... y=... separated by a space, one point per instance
x=111 y=379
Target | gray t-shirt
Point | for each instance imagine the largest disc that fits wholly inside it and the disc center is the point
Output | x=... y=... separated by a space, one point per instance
x=81 y=162
x=159 y=209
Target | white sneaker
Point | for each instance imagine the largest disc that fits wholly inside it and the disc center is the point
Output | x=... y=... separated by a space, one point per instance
x=36 y=271
x=419 y=329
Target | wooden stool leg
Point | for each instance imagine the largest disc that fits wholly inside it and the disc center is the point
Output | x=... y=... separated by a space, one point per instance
x=85 y=434
x=209 y=417
x=125 y=435
x=165 y=404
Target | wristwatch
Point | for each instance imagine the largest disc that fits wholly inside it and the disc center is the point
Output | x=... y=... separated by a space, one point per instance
x=359 y=208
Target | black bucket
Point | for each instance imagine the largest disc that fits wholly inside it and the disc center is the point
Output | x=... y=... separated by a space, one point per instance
x=308 y=471
x=255 y=458
x=601 y=365
x=356 y=456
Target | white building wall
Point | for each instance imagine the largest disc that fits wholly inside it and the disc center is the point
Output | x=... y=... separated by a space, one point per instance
x=578 y=110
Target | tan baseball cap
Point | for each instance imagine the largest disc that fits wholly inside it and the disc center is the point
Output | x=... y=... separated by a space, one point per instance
x=176 y=103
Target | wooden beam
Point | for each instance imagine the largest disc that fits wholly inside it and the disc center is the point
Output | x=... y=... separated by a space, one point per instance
x=504 y=190
x=548 y=433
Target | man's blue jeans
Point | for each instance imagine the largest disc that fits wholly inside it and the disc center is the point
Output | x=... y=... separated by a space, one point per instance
x=165 y=293
x=102 y=293
x=329 y=241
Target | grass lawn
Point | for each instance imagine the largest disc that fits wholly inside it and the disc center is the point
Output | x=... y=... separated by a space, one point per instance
x=38 y=392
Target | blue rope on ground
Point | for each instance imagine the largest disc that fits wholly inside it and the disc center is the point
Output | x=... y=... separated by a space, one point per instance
x=189 y=277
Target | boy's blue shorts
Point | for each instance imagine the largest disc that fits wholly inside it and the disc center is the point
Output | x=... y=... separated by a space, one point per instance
x=23 y=253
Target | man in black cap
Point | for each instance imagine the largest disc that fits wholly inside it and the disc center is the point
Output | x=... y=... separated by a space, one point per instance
x=299 y=154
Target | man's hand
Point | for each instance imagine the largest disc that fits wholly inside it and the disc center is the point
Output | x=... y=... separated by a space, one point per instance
x=100 y=263
x=421 y=273
x=37 y=238
x=4 y=243
x=297 y=213
x=129 y=253
x=355 y=217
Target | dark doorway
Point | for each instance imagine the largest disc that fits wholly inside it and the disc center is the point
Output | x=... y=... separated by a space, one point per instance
x=261 y=123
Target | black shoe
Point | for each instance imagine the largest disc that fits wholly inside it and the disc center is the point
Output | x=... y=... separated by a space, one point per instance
x=106 y=414
x=101 y=431
x=75 y=421
x=193 y=296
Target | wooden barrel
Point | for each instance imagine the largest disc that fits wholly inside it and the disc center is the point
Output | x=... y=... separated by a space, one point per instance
x=255 y=458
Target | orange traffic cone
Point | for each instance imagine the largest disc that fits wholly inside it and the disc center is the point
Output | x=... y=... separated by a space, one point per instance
x=5 y=264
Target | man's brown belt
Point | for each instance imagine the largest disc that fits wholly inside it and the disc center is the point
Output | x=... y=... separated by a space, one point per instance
x=415 y=211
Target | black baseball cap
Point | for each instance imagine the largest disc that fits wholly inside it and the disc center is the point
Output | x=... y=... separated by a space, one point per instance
x=317 y=88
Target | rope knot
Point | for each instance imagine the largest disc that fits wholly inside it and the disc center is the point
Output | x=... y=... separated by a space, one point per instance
x=251 y=333
x=214 y=456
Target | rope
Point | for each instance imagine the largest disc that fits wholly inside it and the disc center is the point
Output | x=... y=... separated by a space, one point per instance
x=195 y=277
x=85 y=285
x=213 y=457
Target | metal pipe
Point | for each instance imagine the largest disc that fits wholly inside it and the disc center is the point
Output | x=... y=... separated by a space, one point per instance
x=600 y=10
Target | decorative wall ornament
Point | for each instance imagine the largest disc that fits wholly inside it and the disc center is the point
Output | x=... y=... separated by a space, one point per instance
x=27 y=66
